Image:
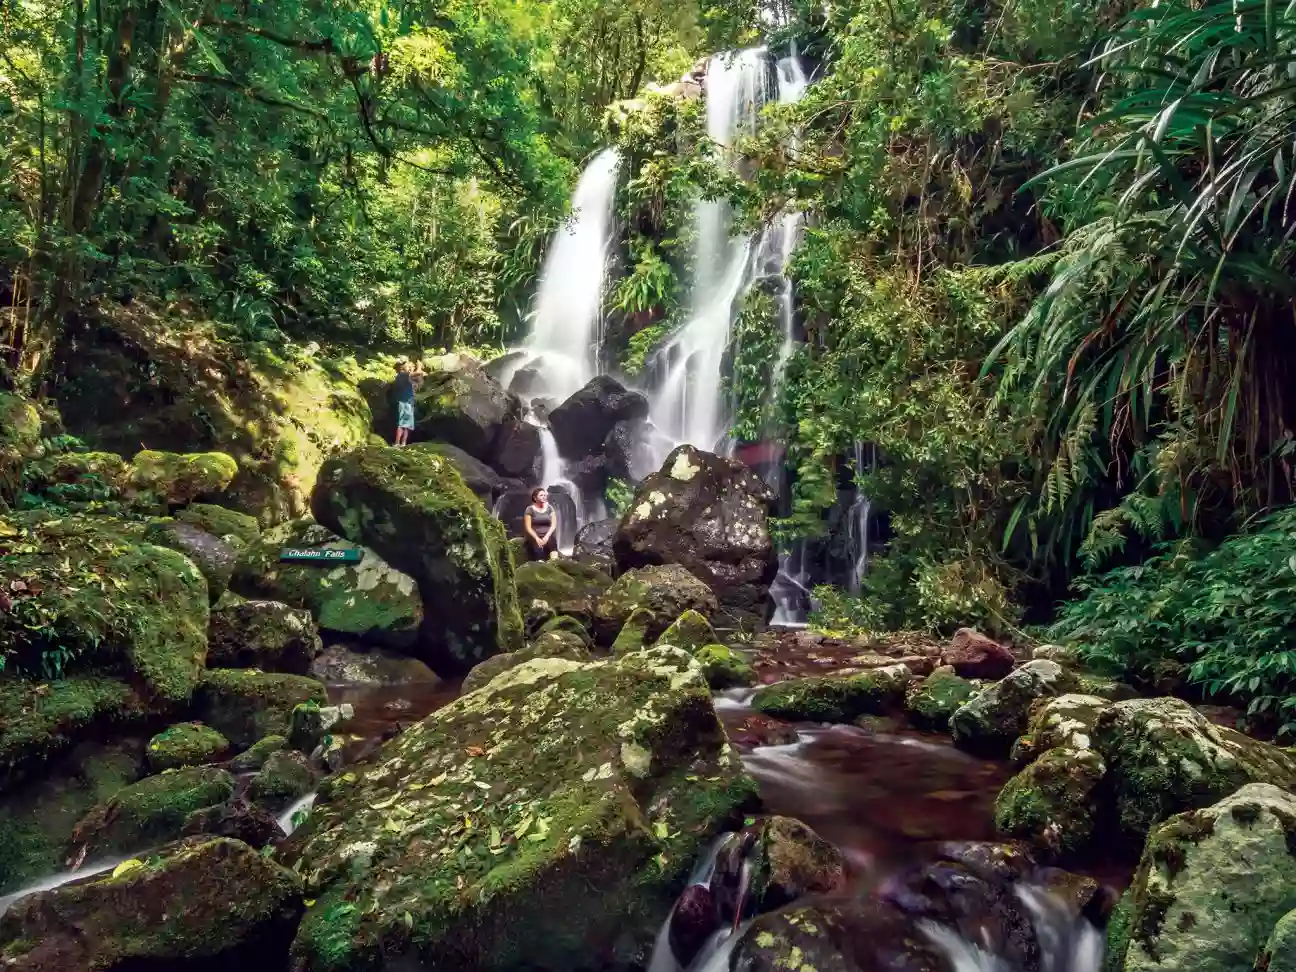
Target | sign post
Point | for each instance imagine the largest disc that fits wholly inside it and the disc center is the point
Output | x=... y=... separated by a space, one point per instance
x=321 y=555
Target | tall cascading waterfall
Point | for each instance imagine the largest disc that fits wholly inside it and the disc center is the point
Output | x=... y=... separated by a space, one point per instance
x=857 y=523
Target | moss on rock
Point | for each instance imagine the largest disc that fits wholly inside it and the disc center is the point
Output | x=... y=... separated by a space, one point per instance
x=221 y=522
x=564 y=623
x=1212 y=884
x=1053 y=803
x=246 y=704
x=180 y=478
x=989 y=722
x=1066 y=721
x=551 y=644
x=1279 y=953
x=254 y=757
x=414 y=509
x=834 y=698
x=723 y=667
x=284 y=777
x=186 y=744
x=793 y=861
x=153 y=810
x=659 y=594
x=196 y=902
x=562 y=587
x=213 y=557
x=931 y=701
x=471 y=834
x=370 y=601
x=689 y=631
x=263 y=634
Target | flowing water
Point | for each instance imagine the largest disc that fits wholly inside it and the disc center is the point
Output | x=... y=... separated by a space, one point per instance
x=857 y=523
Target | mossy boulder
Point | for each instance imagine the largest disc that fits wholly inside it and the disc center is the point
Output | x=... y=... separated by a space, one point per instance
x=1053 y=803
x=283 y=778
x=690 y=631
x=551 y=644
x=563 y=623
x=1164 y=757
x=1279 y=953
x=68 y=474
x=1067 y=721
x=562 y=587
x=413 y=508
x=254 y=757
x=199 y=904
x=724 y=667
x=608 y=806
x=633 y=635
x=246 y=705
x=151 y=811
x=221 y=522
x=210 y=554
x=239 y=820
x=370 y=600
x=361 y=665
x=268 y=635
x=180 y=478
x=661 y=594
x=793 y=861
x=989 y=722
x=20 y=429
x=461 y=404
x=37 y=819
x=930 y=702
x=312 y=723
x=834 y=698
x=88 y=589
x=186 y=744
x=1212 y=885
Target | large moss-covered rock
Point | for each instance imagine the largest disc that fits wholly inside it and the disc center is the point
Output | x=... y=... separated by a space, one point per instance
x=1053 y=803
x=20 y=428
x=246 y=705
x=68 y=475
x=998 y=714
x=185 y=744
x=1067 y=720
x=283 y=778
x=230 y=525
x=254 y=757
x=662 y=594
x=724 y=667
x=210 y=554
x=708 y=514
x=414 y=509
x=930 y=702
x=834 y=698
x=153 y=810
x=1164 y=757
x=1211 y=885
x=793 y=861
x=262 y=634
x=550 y=644
x=461 y=404
x=564 y=587
x=690 y=631
x=201 y=904
x=1279 y=954
x=180 y=478
x=472 y=833
x=370 y=600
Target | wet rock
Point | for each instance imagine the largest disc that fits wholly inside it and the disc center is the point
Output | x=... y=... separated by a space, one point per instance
x=268 y=635
x=555 y=643
x=246 y=705
x=310 y=723
x=723 y=667
x=1164 y=757
x=691 y=924
x=237 y=820
x=627 y=451
x=477 y=475
x=973 y=655
x=589 y=474
x=793 y=861
x=177 y=479
x=213 y=557
x=627 y=782
x=836 y=937
x=1082 y=896
x=151 y=811
x=708 y=514
x=990 y=722
x=254 y=757
x=661 y=593
x=690 y=631
x=931 y=701
x=1211 y=886
x=594 y=544
x=1053 y=803
x=834 y=698
x=348 y=665
x=216 y=901
x=414 y=509
x=583 y=421
x=371 y=601
x=464 y=407
x=237 y=529
x=517 y=450
x=186 y=744
x=284 y=777
x=1068 y=720
x=563 y=587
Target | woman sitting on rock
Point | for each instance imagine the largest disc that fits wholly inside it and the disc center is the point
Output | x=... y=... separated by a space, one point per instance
x=540 y=521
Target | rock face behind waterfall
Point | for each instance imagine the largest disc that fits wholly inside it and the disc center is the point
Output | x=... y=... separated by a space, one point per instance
x=462 y=405
x=582 y=423
x=708 y=514
x=412 y=507
x=544 y=821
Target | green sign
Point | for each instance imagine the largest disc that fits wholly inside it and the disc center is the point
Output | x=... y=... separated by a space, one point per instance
x=321 y=555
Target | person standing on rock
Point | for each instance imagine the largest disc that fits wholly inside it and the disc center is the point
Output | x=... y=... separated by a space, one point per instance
x=540 y=521
x=408 y=378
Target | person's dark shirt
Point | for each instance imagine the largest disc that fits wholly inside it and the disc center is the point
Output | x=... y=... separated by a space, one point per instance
x=404 y=388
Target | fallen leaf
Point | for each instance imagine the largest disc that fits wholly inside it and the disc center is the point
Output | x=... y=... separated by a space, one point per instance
x=475 y=751
x=125 y=867
x=524 y=826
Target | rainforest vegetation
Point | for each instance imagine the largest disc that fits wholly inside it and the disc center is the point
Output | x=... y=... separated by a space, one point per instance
x=1048 y=272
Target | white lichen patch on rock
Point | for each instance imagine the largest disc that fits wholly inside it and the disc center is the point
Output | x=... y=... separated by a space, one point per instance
x=682 y=469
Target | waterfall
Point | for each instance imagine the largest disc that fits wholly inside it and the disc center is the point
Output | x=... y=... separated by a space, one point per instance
x=857 y=525
x=566 y=337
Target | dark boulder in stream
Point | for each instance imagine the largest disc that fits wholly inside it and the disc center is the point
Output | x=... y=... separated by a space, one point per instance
x=268 y=635
x=708 y=514
x=582 y=423
x=594 y=544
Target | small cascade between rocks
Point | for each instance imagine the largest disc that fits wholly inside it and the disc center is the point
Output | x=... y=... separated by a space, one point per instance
x=857 y=524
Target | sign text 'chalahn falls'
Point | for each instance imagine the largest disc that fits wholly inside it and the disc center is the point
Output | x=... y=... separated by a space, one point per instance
x=322 y=555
